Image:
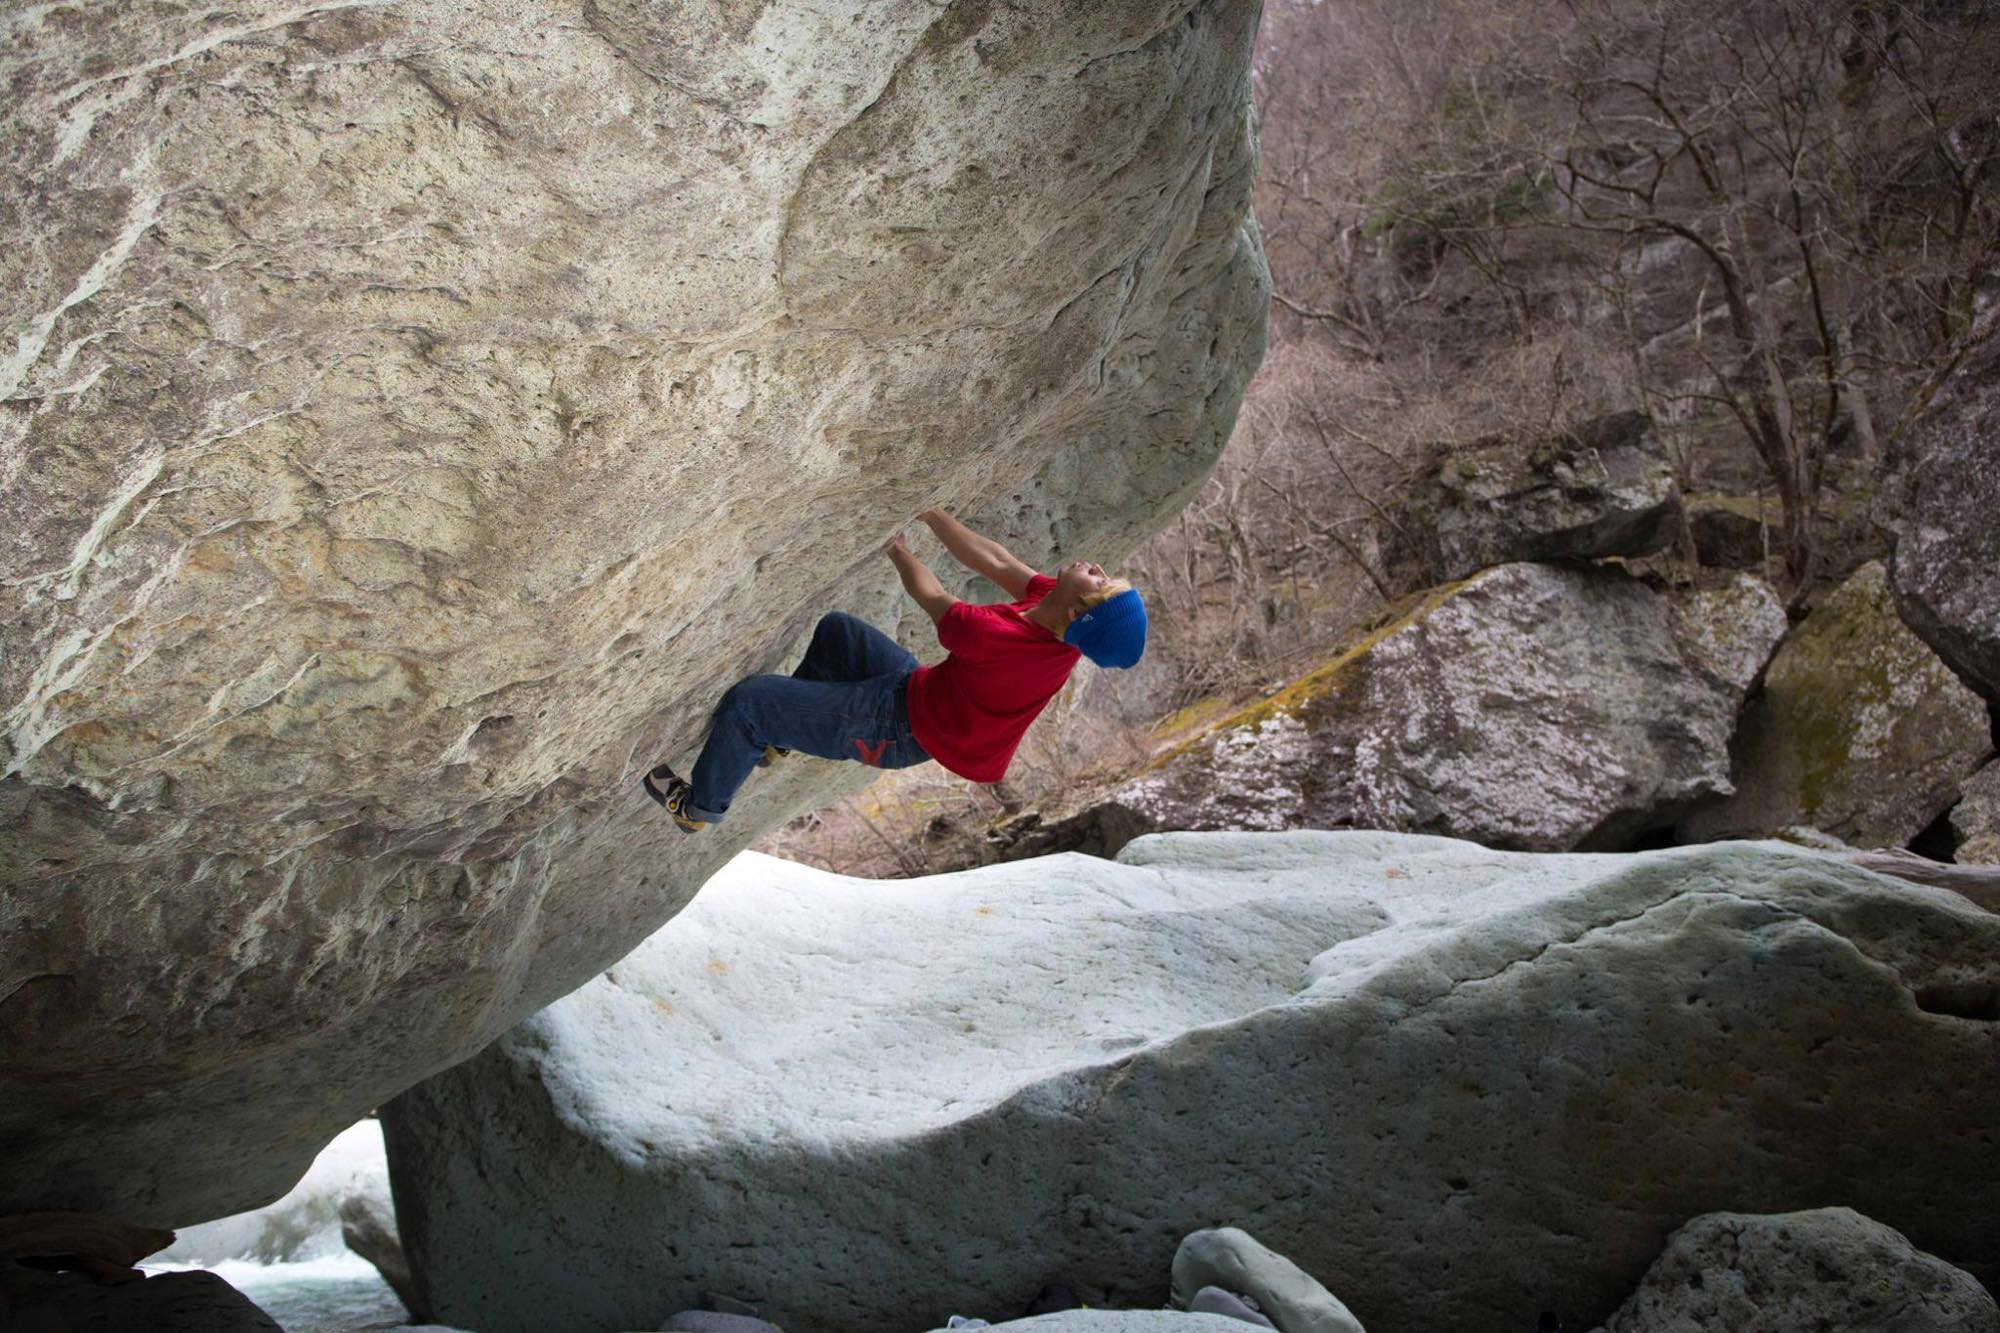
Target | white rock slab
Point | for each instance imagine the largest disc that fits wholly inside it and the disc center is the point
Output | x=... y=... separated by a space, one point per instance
x=1450 y=1083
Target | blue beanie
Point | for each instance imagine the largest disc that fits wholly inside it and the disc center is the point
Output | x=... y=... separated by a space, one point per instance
x=1112 y=633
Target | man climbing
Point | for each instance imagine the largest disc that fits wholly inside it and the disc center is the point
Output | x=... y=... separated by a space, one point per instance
x=860 y=695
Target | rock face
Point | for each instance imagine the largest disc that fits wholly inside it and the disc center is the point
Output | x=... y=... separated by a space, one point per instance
x=1860 y=730
x=368 y=1227
x=180 y=1302
x=306 y=1223
x=1827 y=1268
x=1944 y=509
x=1232 y=1259
x=1605 y=488
x=1533 y=706
x=1976 y=818
x=416 y=416
x=1124 y=1321
x=1450 y=1083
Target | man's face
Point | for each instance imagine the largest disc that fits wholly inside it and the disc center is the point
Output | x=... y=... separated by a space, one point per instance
x=1079 y=578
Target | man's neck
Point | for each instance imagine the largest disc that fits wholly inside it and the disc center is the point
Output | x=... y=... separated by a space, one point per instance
x=1051 y=614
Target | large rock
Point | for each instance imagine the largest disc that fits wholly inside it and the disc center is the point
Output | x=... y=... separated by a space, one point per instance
x=1452 y=1084
x=1976 y=818
x=1944 y=509
x=1231 y=1258
x=1827 y=1268
x=1604 y=488
x=1860 y=730
x=413 y=417
x=1534 y=706
x=40 y=1302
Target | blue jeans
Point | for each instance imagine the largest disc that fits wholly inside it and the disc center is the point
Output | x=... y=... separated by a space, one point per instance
x=845 y=701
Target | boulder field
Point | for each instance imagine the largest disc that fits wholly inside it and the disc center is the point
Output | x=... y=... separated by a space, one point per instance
x=413 y=417
x=1454 y=1085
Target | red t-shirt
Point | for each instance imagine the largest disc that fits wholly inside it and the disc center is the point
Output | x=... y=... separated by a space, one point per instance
x=971 y=710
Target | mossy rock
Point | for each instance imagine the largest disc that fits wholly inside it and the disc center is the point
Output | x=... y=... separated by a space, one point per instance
x=1860 y=731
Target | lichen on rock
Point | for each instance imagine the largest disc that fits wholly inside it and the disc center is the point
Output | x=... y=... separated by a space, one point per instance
x=1860 y=730
x=1533 y=706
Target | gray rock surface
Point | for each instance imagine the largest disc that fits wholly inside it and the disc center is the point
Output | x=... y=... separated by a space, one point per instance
x=1944 y=508
x=1532 y=706
x=1455 y=1083
x=1232 y=1259
x=1976 y=818
x=416 y=415
x=40 y=1302
x=708 y=1321
x=368 y=1227
x=1214 y=1300
x=1828 y=1268
x=1123 y=1321
x=1605 y=488
x=1860 y=730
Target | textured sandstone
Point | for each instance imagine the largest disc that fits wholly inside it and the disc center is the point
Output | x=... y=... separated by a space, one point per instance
x=412 y=417
x=1944 y=509
x=1860 y=730
x=1606 y=488
x=1533 y=706
x=1828 y=1268
x=1452 y=1084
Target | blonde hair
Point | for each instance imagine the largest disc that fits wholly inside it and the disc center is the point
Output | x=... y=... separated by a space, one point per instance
x=1111 y=588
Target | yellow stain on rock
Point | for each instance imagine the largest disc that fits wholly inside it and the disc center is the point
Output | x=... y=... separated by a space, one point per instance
x=982 y=911
x=718 y=967
x=666 y=1009
x=1328 y=679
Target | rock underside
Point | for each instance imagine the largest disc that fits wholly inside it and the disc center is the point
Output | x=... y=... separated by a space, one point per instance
x=842 y=1101
x=415 y=416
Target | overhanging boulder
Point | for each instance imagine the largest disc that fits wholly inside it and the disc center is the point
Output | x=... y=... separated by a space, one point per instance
x=416 y=416
x=1451 y=1084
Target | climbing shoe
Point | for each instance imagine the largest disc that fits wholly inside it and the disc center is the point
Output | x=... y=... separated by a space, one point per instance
x=671 y=791
x=772 y=754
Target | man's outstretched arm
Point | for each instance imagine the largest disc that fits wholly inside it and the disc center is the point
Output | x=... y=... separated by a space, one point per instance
x=982 y=555
x=918 y=581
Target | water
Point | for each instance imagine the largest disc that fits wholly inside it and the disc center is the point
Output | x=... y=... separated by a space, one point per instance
x=341 y=1293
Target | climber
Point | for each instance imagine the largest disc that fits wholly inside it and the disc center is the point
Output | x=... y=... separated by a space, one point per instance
x=860 y=695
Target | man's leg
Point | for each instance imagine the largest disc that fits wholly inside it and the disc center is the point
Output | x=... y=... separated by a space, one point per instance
x=847 y=647
x=830 y=719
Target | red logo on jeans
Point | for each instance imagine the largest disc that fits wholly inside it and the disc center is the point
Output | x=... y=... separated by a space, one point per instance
x=871 y=754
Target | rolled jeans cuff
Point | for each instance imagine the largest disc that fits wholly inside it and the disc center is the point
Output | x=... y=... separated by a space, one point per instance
x=696 y=812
